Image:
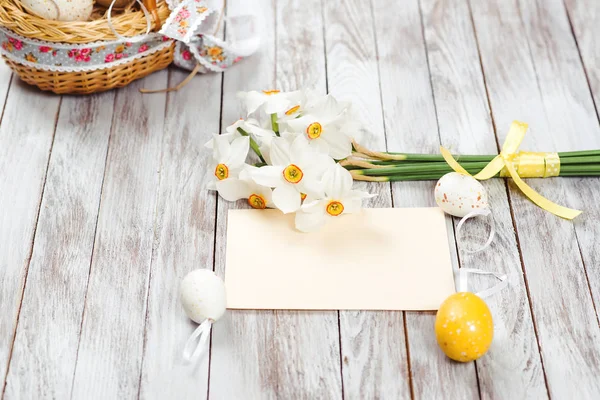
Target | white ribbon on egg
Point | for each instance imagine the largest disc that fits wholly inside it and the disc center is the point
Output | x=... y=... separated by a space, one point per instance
x=196 y=345
x=463 y=281
x=480 y=212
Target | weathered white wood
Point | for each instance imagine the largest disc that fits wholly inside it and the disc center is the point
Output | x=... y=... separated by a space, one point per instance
x=282 y=354
x=44 y=352
x=465 y=126
x=26 y=137
x=373 y=343
x=584 y=21
x=110 y=349
x=410 y=125
x=185 y=229
x=5 y=82
x=534 y=74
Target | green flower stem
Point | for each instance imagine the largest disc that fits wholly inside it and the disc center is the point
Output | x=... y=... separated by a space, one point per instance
x=253 y=144
x=275 y=124
x=474 y=158
x=423 y=168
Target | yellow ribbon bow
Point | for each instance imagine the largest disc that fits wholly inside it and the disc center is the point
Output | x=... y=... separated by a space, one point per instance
x=533 y=165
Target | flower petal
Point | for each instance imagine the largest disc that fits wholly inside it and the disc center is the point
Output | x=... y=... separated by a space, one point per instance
x=309 y=222
x=299 y=125
x=286 y=198
x=239 y=151
x=268 y=176
x=337 y=182
x=253 y=100
x=233 y=189
x=221 y=148
x=320 y=145
x=340 y=145
x=280 y=152
x=353 y=200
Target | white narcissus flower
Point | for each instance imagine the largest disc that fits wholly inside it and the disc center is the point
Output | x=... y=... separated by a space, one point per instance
x=339 y=199
x=244 y=187
x=322 y=128
x=228 y=159
x=270 y=101
x=299 y=103
x=296 y=171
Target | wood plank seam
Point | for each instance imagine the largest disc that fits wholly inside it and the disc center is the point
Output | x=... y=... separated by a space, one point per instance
x=585 y=72
x=587 y=79
x=509 y=198
x=587 y=276
x=454 y=223
x=385 y=136
x=37 y=218
x=10 y=81
x=440 y=141
x=210 y=340
x=339 y=322
x=410 y=381
x=112 y=121
x=154 y=247
x=526 y=280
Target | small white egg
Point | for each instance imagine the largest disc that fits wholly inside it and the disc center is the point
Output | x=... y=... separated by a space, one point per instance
x=62 y=10
x=203 y=295
x=459 y=194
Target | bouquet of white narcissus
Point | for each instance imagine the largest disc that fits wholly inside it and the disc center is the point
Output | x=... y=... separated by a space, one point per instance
x=298 y=137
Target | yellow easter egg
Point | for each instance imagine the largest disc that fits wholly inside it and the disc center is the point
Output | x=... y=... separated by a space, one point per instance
x=463 y=327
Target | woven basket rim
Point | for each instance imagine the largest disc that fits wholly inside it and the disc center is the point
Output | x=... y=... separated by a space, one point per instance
x=130 y=22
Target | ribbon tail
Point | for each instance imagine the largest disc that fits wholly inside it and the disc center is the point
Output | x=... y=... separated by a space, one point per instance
x=489 y=171
x=515 y=136
x=452 y=162
x=463 y=284
x=192 y=350
x=541 y=201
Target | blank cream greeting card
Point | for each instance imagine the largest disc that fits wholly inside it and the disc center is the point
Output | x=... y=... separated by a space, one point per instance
x=377 y=259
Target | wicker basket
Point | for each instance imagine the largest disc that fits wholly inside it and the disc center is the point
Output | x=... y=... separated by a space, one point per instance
x=129 y=22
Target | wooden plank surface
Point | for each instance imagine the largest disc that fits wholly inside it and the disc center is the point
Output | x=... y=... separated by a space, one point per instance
x=465 y=126
x=110 y=349
x=410 y=124
x=583 y=19
x=271 y=354
x=184 y=237
x=536 y=76
x=49 y=324
x=374 y=360
x=26 y=134
x=97 y=233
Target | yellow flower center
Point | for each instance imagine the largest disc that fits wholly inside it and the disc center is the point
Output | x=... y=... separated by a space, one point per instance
x=293 y=174
x=334 y=208
x=214 y=51
x=257 y=201
x=222 y=172
x=314 y=130
x=270 y=92
x=302 y=196
x=292 y=110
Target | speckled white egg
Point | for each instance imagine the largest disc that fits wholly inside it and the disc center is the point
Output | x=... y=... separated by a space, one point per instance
x=459 y=194
x=203 y=295
x=61 y=10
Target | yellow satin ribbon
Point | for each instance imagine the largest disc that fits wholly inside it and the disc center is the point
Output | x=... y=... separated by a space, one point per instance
x=517 y=165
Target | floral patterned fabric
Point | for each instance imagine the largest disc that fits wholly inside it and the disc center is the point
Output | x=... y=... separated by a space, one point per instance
x=54 y=56
x=183 y=27
x=185 y=19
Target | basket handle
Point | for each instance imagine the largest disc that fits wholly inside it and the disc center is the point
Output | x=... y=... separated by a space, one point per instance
x=153 y=9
